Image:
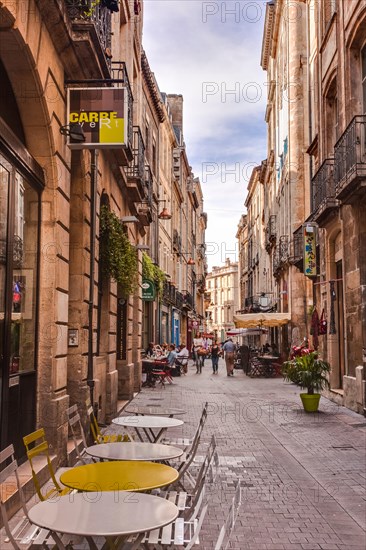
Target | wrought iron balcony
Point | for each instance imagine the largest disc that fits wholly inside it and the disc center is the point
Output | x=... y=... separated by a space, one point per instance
x=283 y=249
x=179 y=300
x=91 y=23
x=297 y=249
x=119 y=72
x=136 y=171
x=350 y=161
x=188 y=300
x=271 y=233
x=276 y=262
x=177 y=241
x=145 y=208
x=323 y=191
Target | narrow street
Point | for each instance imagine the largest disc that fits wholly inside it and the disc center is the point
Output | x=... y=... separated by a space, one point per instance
x=303 y=474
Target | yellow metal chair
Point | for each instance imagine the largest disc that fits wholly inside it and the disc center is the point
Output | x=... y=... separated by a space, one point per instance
x=38 y=439
x=98 y=436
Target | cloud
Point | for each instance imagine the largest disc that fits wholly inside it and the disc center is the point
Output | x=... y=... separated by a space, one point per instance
x=212 y=57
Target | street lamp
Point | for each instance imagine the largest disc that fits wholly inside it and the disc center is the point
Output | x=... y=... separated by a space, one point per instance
x=190 y=260
x=164 y=214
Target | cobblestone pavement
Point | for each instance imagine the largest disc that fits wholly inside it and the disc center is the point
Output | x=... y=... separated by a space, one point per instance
x=303 y=474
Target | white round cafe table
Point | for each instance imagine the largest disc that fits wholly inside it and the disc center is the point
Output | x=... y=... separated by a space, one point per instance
x=153 y=410
x=104 y=514
x=148 y=424
x=134 y=451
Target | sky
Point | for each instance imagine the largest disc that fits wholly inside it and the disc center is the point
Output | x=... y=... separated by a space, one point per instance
x=209 y=51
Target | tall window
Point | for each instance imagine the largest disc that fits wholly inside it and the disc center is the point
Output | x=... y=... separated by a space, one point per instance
x=363 y=60
x=331 y=118
x=329 y=8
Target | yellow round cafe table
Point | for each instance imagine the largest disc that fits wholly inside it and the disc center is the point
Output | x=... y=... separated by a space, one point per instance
x=124 y=475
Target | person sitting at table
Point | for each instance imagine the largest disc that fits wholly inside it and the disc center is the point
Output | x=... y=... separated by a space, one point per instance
x=275 y=351
x=170 y=361
x=266 y=348
x=171 y=357
x=164 y=349
x=150 y=350
x=182 y=358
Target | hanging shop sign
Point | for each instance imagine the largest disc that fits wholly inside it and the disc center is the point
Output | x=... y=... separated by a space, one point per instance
x=310 y=241
x=148 y=290
x=102 y=115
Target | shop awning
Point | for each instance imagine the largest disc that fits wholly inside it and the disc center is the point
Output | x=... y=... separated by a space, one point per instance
x=250 y=320
x=246 y=331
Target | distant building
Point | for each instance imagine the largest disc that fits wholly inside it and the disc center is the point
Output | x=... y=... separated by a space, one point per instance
x=222 y=286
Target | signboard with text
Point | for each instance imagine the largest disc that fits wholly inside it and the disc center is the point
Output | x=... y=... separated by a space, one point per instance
x=148 y=290
x=102 y=115
x=310 y=237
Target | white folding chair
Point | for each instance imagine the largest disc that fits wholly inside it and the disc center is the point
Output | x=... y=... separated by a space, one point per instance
x=187 y=499
x=24 y=534
x=77 y=431
x=228 y=526
x=186 y=442
x=182 y=532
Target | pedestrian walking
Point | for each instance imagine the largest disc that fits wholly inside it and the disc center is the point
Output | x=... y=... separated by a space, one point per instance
x=200 y=352
x=215 y=354
x=229 y=349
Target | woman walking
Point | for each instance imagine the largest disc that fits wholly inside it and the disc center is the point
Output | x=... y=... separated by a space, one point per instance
x=215 y=354
x=198 y=348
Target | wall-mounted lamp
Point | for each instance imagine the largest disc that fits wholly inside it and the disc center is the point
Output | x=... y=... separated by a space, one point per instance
x=164 y=214
x=128 y=219
x=190 y=260
x=74 y=131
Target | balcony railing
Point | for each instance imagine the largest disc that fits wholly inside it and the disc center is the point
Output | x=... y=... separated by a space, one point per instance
x=350 y=160
x=179 y=300
x=136 y=170
x=271 y=232
x=283 y=249
x=276 y=262
x=297 y=249
x=119 y=72
x=188 y=300
x=93 y=17
x=177 y=241
x=323 y=190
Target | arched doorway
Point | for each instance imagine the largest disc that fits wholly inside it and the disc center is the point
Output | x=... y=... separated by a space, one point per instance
x=21 y=183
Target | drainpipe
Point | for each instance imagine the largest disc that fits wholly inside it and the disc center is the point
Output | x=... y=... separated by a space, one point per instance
x=93 y=201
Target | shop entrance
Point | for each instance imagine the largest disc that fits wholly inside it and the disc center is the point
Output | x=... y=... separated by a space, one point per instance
x=19 y=245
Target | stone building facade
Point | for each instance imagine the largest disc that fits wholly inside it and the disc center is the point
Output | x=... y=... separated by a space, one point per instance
x=314 y=54
x=336 y=50
x=65 y=327
x=222 y=285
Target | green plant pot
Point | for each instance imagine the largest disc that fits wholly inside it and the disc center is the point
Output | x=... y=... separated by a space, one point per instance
x=310 y=402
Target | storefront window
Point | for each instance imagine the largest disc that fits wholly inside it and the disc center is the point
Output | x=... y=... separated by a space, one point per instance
x=24 y=278
x=4 y=190
x=18 y=269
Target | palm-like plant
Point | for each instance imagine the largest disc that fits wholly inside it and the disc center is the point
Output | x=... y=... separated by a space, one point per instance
x=307 y=371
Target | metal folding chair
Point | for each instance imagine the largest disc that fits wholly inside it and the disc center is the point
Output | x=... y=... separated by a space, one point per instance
x=38 y=439
x=186 y=442
x=228 y=526
x=77 y=431
x=98 y=436
x=24 y=534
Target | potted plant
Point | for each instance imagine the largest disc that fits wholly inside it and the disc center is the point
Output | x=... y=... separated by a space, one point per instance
x=309 y=372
